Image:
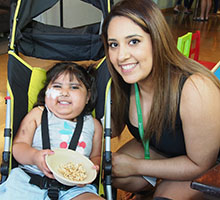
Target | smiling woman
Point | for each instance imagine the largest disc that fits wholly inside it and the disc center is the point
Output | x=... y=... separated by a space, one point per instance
x=164 y=94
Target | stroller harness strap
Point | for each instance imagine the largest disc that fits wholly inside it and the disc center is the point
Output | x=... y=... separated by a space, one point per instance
x=45 y=131
x=53 y=186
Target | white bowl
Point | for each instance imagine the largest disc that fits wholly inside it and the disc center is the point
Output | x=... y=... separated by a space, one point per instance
x=63 y=156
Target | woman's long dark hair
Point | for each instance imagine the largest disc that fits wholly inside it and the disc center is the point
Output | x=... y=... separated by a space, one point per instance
x=169 y=65
x=83 y=74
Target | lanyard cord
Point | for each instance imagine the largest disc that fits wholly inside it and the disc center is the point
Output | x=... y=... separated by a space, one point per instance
x=140 y=123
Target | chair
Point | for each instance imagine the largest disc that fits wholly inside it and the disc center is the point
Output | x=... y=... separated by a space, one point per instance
x=216 y=71
x=208 y=183
x=184 y=44
x=195 y=46
x=194 y=51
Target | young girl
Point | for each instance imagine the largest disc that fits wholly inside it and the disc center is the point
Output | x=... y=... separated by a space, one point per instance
x=69 y=91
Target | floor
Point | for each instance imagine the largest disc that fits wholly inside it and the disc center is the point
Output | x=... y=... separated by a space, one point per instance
x=179 y=24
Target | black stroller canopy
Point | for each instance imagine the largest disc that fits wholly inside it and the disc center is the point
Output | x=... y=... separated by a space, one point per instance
x=30 y=9
x=52 y=42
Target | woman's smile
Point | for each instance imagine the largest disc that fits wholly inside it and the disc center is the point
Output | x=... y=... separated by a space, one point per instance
x=128 y=66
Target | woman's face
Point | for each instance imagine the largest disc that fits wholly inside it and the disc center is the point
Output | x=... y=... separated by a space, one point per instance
x=65 y=98
x=130 y=49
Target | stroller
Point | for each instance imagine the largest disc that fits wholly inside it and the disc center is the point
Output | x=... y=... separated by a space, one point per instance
x=33 y=47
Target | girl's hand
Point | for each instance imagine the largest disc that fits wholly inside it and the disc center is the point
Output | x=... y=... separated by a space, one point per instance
x=123 y=165
x=96 y=167
x=39 y=160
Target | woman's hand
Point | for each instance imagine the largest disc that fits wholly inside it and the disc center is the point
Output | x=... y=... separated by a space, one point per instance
x=39 y=160
x=123 y=165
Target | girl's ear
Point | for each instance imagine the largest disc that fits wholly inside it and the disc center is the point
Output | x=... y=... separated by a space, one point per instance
x=88 y=96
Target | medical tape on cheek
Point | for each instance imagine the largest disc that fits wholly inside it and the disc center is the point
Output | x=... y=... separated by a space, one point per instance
x=51 y=92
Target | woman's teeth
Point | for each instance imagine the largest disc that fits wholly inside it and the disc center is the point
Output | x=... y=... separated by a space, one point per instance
x=126 y=67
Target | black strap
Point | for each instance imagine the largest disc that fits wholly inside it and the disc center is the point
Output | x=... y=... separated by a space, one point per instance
x=45 y=131
x=44 y=182
x=76 y=134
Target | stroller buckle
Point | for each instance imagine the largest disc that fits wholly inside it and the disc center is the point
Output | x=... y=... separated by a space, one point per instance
x=53 y=192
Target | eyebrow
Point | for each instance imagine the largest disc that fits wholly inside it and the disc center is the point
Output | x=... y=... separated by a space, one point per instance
x=77 y=84
x=127 y=37
x=71 y=83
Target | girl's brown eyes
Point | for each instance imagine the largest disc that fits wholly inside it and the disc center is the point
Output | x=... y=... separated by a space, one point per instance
x=56 y=86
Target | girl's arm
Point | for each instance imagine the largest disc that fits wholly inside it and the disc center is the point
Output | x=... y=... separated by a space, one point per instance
x=200 y=114
x=97 y=143
x=22 y=148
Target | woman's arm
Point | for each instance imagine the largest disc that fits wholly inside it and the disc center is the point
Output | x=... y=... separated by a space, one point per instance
x=200 y=114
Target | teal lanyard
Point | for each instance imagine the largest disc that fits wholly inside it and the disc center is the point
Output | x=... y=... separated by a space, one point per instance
x=140 y=123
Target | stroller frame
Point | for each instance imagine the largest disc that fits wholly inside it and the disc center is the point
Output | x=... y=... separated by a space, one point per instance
x=19 y=42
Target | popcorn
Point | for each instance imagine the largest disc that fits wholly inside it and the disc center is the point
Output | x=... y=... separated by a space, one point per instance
x=73 y=172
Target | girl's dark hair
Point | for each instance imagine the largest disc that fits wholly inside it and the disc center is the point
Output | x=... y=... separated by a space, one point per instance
x=83 y=74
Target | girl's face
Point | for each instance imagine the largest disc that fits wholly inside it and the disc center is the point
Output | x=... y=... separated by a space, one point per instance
x=130 y=49
x=65 y=98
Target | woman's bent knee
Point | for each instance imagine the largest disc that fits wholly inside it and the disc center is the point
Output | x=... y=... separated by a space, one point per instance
x=131 y=184
x=178 y=190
